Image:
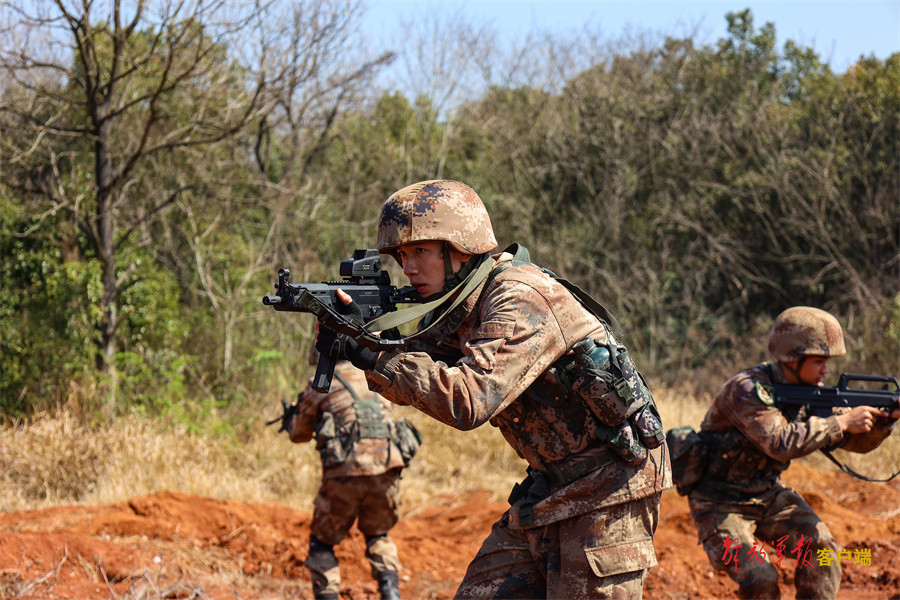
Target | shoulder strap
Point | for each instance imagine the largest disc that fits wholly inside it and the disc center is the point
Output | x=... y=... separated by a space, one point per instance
x=347 y=386
x=521 y=256
x=413 y=313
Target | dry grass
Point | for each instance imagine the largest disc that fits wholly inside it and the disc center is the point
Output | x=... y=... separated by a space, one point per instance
x=58 y=459
x=64 y=458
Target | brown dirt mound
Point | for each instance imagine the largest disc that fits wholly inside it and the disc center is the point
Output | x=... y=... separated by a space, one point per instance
x=172 y=545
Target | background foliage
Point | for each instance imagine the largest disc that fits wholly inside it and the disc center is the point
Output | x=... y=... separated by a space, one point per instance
x=695 y=190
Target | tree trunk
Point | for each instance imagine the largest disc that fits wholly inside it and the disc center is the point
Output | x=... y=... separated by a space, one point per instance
x=106 y=243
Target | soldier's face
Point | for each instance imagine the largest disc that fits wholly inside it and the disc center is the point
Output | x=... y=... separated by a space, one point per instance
x=814 y=370
x=423 y=265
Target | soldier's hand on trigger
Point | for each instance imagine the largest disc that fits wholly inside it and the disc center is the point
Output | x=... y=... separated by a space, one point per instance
x=859 y=420
x=339 y=346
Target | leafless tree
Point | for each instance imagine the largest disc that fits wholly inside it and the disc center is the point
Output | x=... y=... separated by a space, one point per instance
x=316 y=68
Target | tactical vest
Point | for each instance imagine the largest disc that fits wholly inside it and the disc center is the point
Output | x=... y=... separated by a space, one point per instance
x=599 y=380
x=337 y=434
x=736 y=469
x=597 y=391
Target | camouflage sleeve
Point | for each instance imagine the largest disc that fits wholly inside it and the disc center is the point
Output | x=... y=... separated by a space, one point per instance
x=768 y=429
x=304 y=422
x=517 y=338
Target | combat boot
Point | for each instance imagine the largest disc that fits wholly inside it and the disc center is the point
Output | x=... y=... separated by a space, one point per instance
x=323 y=570
x=389 y=585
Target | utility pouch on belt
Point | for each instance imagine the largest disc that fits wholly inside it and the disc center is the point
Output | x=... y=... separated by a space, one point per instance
x=688 y=451
x=604 y=377
x=407 y=438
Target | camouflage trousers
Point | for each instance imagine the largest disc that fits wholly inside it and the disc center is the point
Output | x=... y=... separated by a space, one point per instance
x=732 y=534
x=371 y=501
x=604 y=554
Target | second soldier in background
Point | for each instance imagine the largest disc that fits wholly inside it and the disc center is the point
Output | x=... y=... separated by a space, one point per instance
x=363 y=451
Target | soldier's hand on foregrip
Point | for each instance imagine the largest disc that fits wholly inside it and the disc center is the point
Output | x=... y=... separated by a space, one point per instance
x=338 y=346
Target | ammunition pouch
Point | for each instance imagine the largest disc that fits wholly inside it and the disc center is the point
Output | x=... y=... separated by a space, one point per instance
x=335 y=443
x=370 y=420
x=688 y=451
x=605 y=379
x=407 y=438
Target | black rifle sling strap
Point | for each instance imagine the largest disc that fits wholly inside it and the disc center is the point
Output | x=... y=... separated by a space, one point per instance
x=850 y=471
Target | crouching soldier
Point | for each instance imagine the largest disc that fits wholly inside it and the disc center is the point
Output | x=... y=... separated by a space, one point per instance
x=731 y=469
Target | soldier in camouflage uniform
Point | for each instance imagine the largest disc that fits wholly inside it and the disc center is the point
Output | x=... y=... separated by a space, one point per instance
x=361 y=466
x=740 y=502
x=521 y=352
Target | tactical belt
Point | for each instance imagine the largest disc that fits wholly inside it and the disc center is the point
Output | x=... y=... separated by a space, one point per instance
x=576 y=467
x=536 y=485
x=724 y=492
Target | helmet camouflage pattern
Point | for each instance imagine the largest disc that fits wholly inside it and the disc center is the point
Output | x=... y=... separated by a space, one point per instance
x=805 y=331
x=436 y=210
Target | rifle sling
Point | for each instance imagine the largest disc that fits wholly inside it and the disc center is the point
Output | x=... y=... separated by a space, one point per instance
x=346 y=385
x=850 y=471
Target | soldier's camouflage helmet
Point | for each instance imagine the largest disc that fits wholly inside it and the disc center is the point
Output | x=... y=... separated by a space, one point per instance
x=805 y=331
x=435 y=210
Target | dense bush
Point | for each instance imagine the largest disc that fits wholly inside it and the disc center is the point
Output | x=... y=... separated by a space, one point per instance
x=695 y=190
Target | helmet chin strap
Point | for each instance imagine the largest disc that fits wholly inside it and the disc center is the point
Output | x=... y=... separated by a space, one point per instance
x=477 y=269
x=453 y=279
x=795 y=371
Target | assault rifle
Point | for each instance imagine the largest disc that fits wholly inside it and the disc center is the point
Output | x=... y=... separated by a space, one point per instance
x=819 y=401
x=367 y=284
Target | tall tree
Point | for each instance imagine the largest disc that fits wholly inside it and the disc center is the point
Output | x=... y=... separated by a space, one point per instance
x=92 y=91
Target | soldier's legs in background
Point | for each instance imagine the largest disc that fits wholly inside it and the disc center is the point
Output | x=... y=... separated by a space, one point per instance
x=790 y=515
x=334 y=511
x=378 y=513
x=335 y=508
x=322 y=565
x=378 y=507
x=382 y=555
x=726 y=531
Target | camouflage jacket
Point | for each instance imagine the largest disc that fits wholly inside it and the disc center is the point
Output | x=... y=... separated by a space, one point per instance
x=365 y=456
x=477 y=365
x=751 y=440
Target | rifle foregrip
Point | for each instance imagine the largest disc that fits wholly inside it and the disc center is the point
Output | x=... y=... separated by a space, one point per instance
x=324 y=372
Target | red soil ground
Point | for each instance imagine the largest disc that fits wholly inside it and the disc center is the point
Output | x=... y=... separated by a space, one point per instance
x=172 y=545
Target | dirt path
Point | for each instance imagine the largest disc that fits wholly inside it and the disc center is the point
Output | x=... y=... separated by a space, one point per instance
x=171 y=545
